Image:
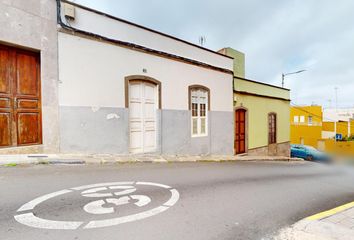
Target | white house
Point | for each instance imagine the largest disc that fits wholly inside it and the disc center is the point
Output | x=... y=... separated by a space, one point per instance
x=125 y=89
x=75 y=80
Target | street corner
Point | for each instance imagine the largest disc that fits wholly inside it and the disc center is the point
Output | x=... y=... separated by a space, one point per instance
x=334 y=224
x=99 y=205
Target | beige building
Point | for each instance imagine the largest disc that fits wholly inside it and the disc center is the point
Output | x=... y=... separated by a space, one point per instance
x=262 y=113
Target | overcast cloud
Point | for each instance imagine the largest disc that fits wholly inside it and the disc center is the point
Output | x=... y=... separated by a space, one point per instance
x=276 y=36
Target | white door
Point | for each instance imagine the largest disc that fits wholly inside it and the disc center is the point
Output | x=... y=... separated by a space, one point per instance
x=142 y=116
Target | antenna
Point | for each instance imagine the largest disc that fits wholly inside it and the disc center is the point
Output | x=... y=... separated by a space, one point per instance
x=202 y=41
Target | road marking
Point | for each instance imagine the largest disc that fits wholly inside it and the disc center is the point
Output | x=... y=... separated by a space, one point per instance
x=331 y=212
x=142 y=200
x=153 y=184
x=30 y=220
x=32 y=204
x=94 y=192
x=98 y=207
x=101 y=185
x=174 y=198
x=121 y=220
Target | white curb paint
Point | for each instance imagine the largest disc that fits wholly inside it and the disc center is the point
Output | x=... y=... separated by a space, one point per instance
x=97 y=207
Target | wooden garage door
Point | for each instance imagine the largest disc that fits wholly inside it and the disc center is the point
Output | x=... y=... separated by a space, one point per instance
x=20 y=100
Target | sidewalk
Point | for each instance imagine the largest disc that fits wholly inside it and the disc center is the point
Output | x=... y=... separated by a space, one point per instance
x=335 y=224
x=108 y=158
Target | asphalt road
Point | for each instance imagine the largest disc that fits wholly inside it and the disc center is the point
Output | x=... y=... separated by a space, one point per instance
x=216 y=200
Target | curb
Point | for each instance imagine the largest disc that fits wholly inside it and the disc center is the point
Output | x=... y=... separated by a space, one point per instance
x=318 y=227
x=328 y=213
x=55 y=159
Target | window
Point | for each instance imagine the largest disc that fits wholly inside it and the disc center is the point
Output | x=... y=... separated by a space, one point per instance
x=199 y=105
x=296 y=119
x=302 y=119
x=310 y=120
x=272 y=121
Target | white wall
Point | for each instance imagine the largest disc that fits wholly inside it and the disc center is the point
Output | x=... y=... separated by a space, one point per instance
x=107 y=27
x=341 y=114
x=92 y=74
x=328 y=135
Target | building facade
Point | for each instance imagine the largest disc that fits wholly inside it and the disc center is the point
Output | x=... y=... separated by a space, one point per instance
x=313 y=126
x=100 y=84
x=29 y=113
x=262 y=125
x=306 y=125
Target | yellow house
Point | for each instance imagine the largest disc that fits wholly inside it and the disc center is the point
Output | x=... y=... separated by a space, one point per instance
x=306 y=125
x=262 y=124
x=308 y=128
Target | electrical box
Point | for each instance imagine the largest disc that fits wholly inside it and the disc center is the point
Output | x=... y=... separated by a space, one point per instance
x=69 y=11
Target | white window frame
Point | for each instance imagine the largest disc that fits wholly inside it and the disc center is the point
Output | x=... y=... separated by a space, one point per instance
x=310 y=120
x=302 y=119
x=296 y=119
x=199 y=93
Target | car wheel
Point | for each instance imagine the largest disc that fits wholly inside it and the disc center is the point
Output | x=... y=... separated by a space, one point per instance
x=309 y=158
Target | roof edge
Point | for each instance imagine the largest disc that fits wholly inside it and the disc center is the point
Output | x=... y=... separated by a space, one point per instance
x=142 y=27
x=262 y=83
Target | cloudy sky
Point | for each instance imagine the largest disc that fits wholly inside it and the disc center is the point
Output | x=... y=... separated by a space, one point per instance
x=276 y=36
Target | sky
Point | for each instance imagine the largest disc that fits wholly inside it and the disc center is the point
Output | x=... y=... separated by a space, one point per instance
x=277 y=37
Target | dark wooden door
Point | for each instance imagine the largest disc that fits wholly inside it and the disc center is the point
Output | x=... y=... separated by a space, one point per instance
x=20 y=99
x=240 y=131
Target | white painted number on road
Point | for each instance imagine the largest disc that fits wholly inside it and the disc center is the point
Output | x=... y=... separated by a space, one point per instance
x=117 y=194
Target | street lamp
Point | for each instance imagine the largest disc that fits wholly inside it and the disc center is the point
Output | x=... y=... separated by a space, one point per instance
x=287 y=74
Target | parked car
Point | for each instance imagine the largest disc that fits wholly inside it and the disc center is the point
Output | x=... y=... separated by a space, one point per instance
x=309 y=153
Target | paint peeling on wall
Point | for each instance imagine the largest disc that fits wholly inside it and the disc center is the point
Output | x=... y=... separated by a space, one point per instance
x=112 y=116
x=95 y=109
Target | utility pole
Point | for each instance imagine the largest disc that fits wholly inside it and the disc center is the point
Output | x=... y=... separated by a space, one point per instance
x=336 y=90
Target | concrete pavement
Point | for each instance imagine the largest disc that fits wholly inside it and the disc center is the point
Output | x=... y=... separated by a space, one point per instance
x=334 y=224
x=229 y=200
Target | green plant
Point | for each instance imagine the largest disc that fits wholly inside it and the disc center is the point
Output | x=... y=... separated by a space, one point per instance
x=11 y=165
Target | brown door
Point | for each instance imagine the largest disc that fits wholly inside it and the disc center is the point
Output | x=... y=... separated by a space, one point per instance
x=240 y=131
x=20 y=100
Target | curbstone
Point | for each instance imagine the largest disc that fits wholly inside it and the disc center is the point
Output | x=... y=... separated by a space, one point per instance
x=75 y=159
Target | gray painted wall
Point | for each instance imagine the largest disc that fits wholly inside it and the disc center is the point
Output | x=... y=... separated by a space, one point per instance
x=89 y=130
x=222 y=133
x=31 y=24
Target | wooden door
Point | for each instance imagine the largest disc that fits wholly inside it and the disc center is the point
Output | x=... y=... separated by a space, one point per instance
x=20 y=99
x=6 y=98
x=149 y=116
x=142 y=116
x=240 y=131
